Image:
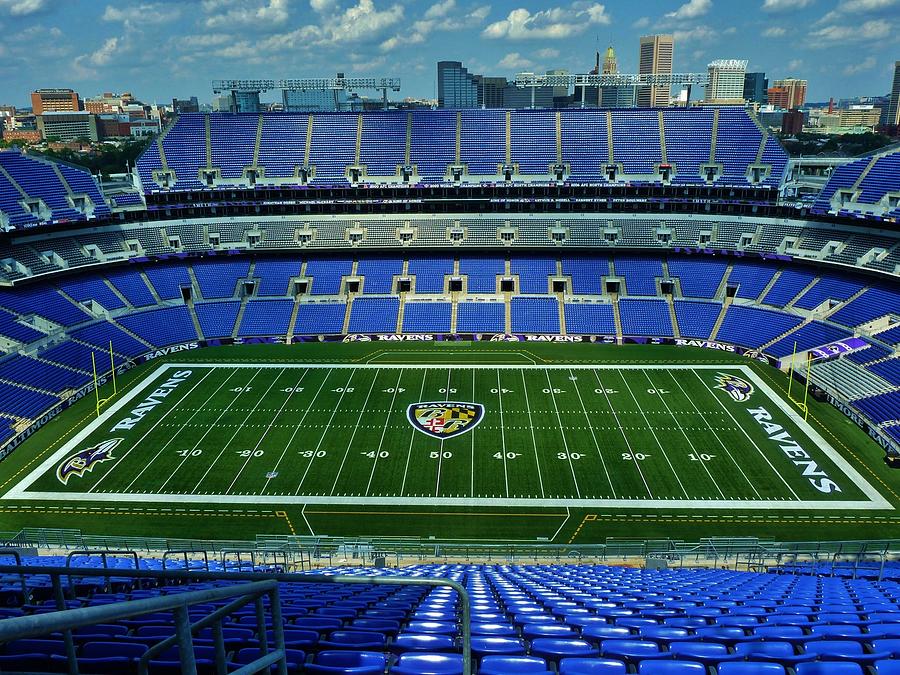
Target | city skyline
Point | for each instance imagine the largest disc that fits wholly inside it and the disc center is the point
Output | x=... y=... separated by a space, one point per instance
x=162 y=49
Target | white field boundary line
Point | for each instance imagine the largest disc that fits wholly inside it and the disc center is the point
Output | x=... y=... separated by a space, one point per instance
x=876 y=500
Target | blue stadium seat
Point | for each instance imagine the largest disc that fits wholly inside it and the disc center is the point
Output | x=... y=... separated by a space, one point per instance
x=428 y=664
x=347 y=663
x=512 y=665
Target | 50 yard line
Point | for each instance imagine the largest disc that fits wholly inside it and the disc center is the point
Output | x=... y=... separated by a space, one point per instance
x=437 y=484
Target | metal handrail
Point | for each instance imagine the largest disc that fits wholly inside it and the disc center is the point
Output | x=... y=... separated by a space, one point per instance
x=65 y=620
x=38 y=622
x=185 y=552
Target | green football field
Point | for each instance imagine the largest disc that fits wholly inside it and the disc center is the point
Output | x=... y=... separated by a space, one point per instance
x=434 y=432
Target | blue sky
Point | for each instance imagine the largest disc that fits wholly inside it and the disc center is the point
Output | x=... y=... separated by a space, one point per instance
x=163 y=48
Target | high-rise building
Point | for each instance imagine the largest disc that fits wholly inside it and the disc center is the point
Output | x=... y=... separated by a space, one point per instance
x=656 y=56
x=67 y=126
x=893 y=109
x=221 y=103
x=726 y=82
x=610 y=65
x=787 y=94
x=490 y=91
x=457 y=87
x=54 y=100
x=755 y=86
x=188 y=105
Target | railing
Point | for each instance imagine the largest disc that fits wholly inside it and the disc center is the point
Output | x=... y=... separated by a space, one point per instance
x=259 y=586
x=294 y=553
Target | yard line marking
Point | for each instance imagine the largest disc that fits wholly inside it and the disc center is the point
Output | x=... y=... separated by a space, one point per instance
x=150 y=430
x=743 y=431
x=562 y=434
x=533 y=439
x=593 y=435
x=267 y=430
x=297 y=428
x=177 y=432
x=724 y=447
x=412 y=438
x=631 y=452
x=652 y=431
x=384 y=432
x=503 y=434
x=325 y=431
x=472 y=456
x=437 y=484
x=685 y=434
x=236 y=431
x=362 y=411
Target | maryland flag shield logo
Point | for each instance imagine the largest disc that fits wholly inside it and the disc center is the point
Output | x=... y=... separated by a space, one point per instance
x=85 y=460
x=444 y=419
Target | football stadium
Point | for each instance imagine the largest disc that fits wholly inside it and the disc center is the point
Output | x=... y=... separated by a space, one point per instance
x=451 y=391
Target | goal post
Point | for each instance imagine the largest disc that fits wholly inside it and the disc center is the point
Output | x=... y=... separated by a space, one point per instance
x=802 y=405
x=112 y=369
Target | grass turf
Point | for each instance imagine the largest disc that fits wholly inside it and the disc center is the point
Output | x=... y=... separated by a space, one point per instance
x=582 y=440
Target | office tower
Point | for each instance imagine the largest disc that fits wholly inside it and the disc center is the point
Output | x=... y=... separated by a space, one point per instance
x=656 y=54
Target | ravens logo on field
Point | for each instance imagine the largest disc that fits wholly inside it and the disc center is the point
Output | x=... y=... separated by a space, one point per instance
x=85 y=460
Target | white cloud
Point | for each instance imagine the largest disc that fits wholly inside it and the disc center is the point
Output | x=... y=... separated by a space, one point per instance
x=438 y=17
x=548 y=53
x=691 y=9
x=359 y=24
x=785 y=5
x=847 y=33
x=696 y=34
x=245 y=13
x=22 y=7
x=556 y=22
x=774 y=32
x=850 y=7
x=643 y=22
x=514 y=61
x=361 y=21
x=105 y=54
x=320 y=5
x=856 y=68
x=84 y=66
x=795 y=65
x=149 y=13
x=440 y=9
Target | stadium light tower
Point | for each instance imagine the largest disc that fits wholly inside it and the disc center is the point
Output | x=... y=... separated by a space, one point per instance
x=339 y=83
x=609 y=80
